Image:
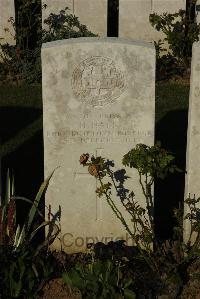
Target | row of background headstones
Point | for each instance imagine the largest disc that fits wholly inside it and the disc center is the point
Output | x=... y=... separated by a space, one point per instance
x=133 y=15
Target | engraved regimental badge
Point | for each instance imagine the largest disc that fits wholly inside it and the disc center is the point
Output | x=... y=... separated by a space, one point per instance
x=97 y=81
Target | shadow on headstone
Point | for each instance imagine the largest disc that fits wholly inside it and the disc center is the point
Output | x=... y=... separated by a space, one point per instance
x=171 y=131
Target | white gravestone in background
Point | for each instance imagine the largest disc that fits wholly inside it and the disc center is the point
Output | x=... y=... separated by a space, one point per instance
x=198 y=11
x=192 y=182
x=7 y=10
x=134 y=17
x=98 y=98
x=92 y=13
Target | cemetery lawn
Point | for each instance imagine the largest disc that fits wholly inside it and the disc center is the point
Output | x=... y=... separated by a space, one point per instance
x=21 y=110
x=170 y=97
x=29 y=96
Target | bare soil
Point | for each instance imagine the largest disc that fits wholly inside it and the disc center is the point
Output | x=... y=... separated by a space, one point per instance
x=57 y=289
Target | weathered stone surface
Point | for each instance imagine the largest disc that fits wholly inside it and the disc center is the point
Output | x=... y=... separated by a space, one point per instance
x=92 y=13
x=198 y=11
x=99 y=98
x=192 y=186
x=7 y=10
x=134 y=17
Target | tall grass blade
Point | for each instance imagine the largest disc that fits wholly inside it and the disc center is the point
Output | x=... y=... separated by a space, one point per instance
x=8 y=188
x=12 y=185
x=34 y=208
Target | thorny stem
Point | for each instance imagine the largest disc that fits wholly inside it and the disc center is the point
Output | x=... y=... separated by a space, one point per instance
x=147 y=194
x=196 y=243
x=191 y=224
x=149 y=260
x=136 y=228
x=114 y=184
x=115 y=209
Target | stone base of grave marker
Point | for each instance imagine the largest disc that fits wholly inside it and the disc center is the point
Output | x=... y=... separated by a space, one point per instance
x=98 y=98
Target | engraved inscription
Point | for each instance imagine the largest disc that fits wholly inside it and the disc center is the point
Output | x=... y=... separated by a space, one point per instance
x=90 y=136
x=100 y=129
x=97 y=81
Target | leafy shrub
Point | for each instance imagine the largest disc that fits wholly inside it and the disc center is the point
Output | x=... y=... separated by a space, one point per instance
x=151 y=163
x=100 y=280
x=19 y=66
x=169 y=261
x=167 y=66
x=64 y=26
x=180 y=33
x=21 y=63
x=25 y=266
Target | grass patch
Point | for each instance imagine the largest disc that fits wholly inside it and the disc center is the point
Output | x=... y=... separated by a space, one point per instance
x=29 y=96
x=170 y=97
x=20 y=107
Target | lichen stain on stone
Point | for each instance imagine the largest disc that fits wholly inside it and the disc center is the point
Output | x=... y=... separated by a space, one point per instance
x=195 y=131
x=197 y=68
x=65 y=74
x=52 y=80
x=68 y=55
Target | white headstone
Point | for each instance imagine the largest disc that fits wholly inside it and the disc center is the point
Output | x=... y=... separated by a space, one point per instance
x=198 y=11
x=98 y=98
x=92 y=13
x=134 y=17
x=7 y=10
x=192 y=180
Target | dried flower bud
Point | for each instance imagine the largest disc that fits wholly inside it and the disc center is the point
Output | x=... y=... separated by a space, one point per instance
x=93 y=170
x=99 y=190
x=18 y=52
x=84 y=158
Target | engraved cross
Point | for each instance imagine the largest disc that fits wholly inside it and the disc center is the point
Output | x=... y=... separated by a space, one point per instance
x=86 y=175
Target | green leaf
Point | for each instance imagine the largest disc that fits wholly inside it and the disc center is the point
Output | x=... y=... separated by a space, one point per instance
x=128 y=294
x=67 y=280
x=33 y=209
x=128 y=283
x=41 y=191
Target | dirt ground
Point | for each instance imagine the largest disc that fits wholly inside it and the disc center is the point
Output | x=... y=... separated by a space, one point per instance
x=57 y=289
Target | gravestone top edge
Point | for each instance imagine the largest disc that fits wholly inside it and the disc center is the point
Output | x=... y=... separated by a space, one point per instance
x=196 y=44
x=115 y=40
